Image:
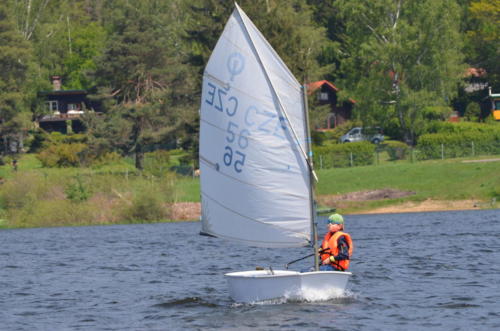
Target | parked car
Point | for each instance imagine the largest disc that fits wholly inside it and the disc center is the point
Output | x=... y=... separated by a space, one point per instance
x=373 y=135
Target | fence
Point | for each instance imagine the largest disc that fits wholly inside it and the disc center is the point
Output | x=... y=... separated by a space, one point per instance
x=384 y=153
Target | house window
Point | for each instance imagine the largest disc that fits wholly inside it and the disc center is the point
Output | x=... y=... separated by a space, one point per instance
x=323 y=96
x=72 y=106
x=53 y=105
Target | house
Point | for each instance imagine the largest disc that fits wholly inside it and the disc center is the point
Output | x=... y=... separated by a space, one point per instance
x=326 y=93
x=65 y=108
x=475 y=80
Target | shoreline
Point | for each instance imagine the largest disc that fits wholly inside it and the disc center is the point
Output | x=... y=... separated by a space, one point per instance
x=189 y=211
x=428 y=205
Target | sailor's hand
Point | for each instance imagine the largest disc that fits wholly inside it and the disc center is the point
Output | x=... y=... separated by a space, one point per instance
x=329 y=260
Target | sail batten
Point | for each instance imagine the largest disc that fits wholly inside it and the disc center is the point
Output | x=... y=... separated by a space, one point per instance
x=255 y=176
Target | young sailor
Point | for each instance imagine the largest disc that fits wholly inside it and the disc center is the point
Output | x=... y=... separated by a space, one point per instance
x=337 y=246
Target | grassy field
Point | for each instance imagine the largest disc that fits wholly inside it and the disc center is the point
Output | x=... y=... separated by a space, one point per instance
x=448 y=180
x=441 y=180
x=35 y=196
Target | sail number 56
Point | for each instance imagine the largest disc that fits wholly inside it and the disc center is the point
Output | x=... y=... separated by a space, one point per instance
x=238 y=163
x=240 y=140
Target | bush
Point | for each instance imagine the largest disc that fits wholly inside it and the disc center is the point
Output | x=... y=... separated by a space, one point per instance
x=22 y=190
x=432 y=113
x=472 y=112
x=52 y=213
x=157 y=162
x=77 y=191
x=344 y=155
x=146 y=205
x=109 y=158
x=55 y=198
x=431 y=146
x=397 y=150
x=461 y=127
x=318 y=137
x=62 y=155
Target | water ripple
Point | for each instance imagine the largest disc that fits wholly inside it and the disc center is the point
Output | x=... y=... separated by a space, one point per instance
x=410 y=271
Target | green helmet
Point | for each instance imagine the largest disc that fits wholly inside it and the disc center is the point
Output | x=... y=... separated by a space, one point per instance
x=336 y=219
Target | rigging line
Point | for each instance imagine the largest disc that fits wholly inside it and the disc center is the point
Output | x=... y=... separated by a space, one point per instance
x=283 y=193
x=276 y=94
x=252 y=219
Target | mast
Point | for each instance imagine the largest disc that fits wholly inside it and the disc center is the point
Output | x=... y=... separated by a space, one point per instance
x=314 y=229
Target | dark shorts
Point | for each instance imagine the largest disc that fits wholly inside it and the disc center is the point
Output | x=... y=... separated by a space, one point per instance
x=321 y=268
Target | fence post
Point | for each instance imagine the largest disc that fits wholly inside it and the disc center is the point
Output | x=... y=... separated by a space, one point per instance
x=473 y=152
x=351 y=158
x=442 y=151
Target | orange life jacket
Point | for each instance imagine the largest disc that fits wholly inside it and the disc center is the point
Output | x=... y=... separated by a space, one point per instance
x=331 y=241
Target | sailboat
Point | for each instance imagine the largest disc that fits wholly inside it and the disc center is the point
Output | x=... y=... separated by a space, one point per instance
x=256 y=172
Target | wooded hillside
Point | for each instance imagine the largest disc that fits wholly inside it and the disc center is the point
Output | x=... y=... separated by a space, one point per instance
x=403 y=61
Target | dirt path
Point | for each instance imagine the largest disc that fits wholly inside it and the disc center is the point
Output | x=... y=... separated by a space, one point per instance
x=424 y=206
x=483 y=160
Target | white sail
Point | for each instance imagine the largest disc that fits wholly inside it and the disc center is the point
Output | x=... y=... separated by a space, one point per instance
x=255 y=181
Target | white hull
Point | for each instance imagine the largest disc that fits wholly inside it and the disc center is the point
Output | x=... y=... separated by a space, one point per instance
x=259 y=285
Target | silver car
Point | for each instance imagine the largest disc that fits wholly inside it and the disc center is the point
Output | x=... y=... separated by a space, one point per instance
x=373 y=135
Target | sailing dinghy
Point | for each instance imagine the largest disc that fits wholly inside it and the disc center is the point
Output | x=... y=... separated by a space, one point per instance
x=256 y=170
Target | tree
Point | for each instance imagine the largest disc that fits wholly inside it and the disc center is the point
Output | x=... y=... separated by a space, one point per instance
x=484 y=38
x=286 y=24
x=326 y=15
x=143 y=75
x=65 y=36
x=403 y=56
x=15 y=57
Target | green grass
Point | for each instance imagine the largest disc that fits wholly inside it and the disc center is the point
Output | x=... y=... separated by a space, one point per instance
x=187 y=189
x=440 y=180
x=36 y=196
x=114 y=193
x=448 y=180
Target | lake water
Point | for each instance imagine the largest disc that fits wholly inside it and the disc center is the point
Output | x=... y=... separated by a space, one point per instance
x=426 y=271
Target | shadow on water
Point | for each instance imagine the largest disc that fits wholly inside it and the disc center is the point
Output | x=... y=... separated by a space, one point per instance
x=188 y=302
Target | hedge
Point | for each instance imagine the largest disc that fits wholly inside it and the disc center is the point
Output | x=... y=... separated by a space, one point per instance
x=397 y=150
x=469 y=143
x=344 y=155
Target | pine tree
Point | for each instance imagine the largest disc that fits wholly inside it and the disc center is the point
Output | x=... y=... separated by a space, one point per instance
x=143 y=74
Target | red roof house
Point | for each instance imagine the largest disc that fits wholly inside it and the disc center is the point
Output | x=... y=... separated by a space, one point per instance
x=326 y=93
